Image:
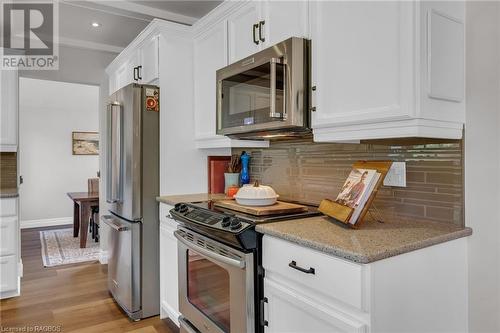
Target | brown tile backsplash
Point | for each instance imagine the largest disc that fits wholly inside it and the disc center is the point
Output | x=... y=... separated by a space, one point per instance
x=8 y=170
x=301 y=170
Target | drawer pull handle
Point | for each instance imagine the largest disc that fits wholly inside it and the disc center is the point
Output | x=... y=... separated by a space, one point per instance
x=293 y=264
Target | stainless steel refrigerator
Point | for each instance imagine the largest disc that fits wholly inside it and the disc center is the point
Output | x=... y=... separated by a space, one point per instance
x=132 y=186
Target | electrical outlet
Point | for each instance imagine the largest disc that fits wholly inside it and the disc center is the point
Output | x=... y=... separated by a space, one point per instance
x=396 y=175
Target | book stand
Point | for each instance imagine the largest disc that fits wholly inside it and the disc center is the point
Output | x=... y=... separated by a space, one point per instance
x=342 y=212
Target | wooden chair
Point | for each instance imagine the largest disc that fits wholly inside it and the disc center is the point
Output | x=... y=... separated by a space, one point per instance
x=93 y=187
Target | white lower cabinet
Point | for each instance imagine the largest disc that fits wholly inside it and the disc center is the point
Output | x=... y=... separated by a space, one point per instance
x=309 y=291
x=10 y=251
x=169 y=290
x=289 y=312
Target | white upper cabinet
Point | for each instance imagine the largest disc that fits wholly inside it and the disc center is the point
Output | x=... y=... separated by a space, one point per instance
x=137 y=63
x=260 y=24
x=9 y=86
x=387 y=69
x=148 y=67
x=243 y=31
x=282 y=20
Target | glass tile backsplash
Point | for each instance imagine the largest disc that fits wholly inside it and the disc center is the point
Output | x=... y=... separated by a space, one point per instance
x=310 y=172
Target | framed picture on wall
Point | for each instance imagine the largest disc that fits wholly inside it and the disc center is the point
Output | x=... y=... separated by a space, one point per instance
x=85 y=143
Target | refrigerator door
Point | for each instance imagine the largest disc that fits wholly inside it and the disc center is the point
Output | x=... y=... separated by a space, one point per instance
x=124 y=190
x=124 y=264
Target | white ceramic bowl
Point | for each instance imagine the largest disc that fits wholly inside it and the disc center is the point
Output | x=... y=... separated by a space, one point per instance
x=256 y=195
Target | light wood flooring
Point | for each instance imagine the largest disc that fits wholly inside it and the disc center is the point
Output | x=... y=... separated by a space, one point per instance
x=71 y=298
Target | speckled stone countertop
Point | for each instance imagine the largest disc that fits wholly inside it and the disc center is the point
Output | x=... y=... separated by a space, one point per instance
x=197 y=197
x=373 y=241
x=9 y=193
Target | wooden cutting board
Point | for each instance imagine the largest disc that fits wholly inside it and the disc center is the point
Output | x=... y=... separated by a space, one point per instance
x=279 y=207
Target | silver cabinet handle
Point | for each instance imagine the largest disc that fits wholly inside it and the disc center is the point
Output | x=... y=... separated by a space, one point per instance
x=108 y=220
x=210 y=254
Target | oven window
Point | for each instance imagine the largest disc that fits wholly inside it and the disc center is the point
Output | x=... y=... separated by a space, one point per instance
x=208 y=289
x=246 y=97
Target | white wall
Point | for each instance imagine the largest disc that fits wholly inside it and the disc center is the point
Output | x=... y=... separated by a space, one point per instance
x=482 y=168
x=49 y=111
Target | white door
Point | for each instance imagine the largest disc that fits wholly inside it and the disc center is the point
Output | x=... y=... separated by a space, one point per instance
x=284 y=19
x=243 y=31
x=8 y=109
x=362 y=60
x=149 y=61
x=287 y=312
x=209 y=55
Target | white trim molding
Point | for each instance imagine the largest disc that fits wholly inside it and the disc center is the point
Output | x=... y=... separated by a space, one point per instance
x=27 y=224
x=103 y=257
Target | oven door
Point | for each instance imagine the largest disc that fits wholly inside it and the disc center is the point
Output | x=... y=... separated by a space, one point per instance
x=216 y=285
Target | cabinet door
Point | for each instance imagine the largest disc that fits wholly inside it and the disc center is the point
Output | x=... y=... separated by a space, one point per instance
x=169 y=269
x=284 y=19
x=8 y=109
x=241 y=38
x=149 y=61
x=8 y=235
x=8 y=274
x=209 y=55
x=287 y=312
x=362 y=61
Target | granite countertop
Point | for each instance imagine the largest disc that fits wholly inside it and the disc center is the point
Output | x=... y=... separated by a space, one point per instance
x=373 y=241
x=9 y=193
x=197 y=197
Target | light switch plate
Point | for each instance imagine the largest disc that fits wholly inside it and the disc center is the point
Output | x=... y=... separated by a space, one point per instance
x=396 y=175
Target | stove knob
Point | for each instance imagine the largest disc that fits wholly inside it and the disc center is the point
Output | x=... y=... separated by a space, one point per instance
x=235 y=224
x=183 y=208
x=226 y=221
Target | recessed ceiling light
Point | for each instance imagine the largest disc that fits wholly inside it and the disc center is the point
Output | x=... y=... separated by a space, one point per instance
x=96 y=24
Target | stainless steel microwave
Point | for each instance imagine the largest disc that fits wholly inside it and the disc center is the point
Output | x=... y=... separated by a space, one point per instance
x=266 y=95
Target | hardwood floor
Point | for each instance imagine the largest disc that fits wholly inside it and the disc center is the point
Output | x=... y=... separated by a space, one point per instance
x=71 y=298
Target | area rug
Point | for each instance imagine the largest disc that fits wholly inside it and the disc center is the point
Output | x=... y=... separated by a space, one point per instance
x=59 y=247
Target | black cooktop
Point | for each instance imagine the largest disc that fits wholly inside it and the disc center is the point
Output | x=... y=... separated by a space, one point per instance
x=226 y=225
x=254 y=219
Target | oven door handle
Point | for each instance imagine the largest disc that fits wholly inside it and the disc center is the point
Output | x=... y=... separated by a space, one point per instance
x=215 y=256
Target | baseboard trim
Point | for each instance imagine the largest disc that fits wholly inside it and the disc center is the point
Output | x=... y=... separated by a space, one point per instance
x=27 y=224
x=103 y=257
x=170 y=312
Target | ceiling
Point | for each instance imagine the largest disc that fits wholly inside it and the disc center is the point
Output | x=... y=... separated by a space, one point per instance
x=120 y=21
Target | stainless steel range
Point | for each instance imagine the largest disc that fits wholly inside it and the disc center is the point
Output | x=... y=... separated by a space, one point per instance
x=220 y=273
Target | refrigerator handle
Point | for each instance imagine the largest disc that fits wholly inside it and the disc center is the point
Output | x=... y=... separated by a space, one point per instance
x=114 y=153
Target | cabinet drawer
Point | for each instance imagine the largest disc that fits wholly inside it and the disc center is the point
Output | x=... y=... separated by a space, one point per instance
x=8 y=235
x=8 y=273
x=8 y=207
x=332 y=277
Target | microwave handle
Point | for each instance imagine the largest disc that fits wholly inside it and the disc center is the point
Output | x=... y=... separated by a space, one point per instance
x=273 y=113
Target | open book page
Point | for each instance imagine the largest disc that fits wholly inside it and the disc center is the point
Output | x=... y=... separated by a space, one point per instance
x=355 y=187
x=364 y=199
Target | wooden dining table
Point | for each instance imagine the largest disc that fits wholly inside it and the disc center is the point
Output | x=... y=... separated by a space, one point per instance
x=82 y=209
